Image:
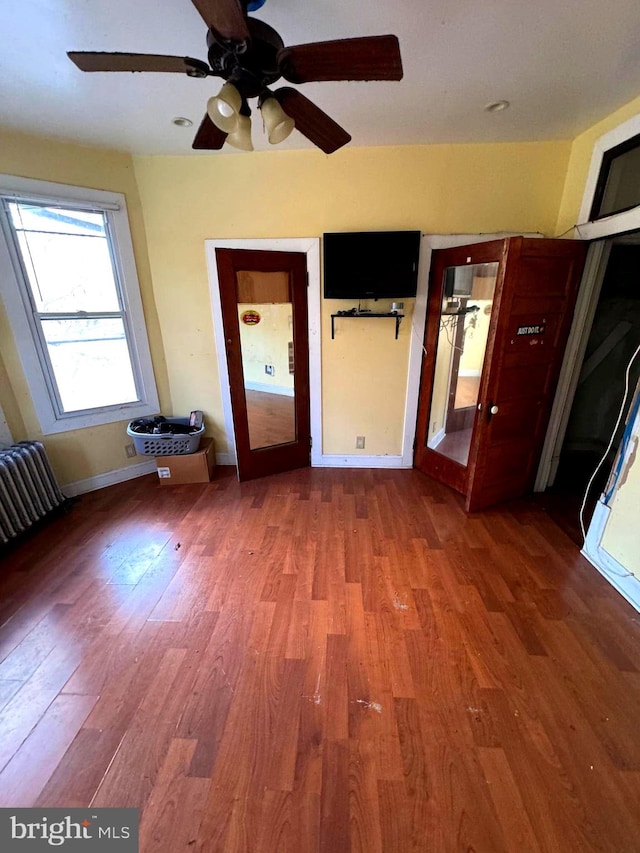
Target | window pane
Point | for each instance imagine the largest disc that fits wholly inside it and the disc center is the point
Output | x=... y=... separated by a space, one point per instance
x=621 y=177
x=66 y=257
x=91 y=363
x=61 y=220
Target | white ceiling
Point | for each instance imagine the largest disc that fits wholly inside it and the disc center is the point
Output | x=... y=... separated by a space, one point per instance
x=562 y=64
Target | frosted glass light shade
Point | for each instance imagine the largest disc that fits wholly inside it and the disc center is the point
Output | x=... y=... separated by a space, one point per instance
x=241 y=136
x=277 y=123
x=224 y=108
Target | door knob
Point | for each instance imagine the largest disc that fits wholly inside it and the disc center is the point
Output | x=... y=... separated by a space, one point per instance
x=492 y=410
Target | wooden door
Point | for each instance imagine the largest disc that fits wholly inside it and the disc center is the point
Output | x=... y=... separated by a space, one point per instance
x=264 y=314
x=532 y=300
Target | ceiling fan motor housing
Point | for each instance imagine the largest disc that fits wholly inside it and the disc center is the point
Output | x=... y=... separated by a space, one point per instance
x=250 y=65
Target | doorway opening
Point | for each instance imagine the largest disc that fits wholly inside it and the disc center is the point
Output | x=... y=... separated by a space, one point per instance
x=613 y=338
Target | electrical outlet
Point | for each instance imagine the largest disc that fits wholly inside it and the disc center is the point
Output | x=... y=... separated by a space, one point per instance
x=270 y=370
x=359 y=442
x=130 y=450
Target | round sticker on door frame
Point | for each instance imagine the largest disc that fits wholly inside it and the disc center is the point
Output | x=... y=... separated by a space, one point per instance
x=251 y=318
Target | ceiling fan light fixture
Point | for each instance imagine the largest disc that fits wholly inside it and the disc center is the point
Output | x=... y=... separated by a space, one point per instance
x=278 y=124
x=224 y=108
x=240 y=137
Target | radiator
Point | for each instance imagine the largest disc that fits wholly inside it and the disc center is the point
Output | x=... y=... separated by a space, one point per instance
x=28 y=488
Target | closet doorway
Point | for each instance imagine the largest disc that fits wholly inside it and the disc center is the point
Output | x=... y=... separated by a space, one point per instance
x=612 y=339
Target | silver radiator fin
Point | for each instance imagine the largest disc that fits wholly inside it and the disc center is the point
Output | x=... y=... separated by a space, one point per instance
x=28 y=488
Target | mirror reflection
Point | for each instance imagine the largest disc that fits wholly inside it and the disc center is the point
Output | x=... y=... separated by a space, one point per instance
x=265 y=316
x=462 y=340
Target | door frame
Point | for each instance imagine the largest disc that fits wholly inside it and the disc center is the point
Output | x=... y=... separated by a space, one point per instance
x=584 y=313
x=310 y=246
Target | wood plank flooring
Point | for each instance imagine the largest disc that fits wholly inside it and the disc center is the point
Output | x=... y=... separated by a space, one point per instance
x=325 y=661
x=271 y=418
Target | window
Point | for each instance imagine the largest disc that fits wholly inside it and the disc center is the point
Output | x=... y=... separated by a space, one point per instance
x=611 y=198
x=618 y=187
x=72 y=297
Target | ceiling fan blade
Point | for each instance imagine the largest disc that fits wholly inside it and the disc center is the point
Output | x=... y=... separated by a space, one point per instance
x=367 y=58
x=311 y=121
x=208 y=137
x=89 y=61
x=225 y=17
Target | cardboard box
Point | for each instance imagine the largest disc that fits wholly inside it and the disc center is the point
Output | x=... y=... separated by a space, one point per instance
x=188 y=468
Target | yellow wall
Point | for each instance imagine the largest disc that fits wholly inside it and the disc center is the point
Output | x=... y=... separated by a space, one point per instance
x=621 y=536
x=436 y=189
x=475 y=338
x=267 y=343
x=82 y=453
x=441 y=383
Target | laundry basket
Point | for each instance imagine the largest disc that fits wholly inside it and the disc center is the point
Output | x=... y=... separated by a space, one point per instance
x=165 y=443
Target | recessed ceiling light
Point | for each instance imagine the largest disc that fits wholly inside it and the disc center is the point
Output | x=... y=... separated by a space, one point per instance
x=180 y=121
x=497 y=106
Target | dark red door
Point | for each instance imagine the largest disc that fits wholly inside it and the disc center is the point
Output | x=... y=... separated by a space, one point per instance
x=264 y=313
x=498 y=319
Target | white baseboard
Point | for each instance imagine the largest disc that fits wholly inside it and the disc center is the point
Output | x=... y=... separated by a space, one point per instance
x=225 y=459
x=334 y=460
x=470 y=373
x=109 y=478
x=627 y=584
x=282 y=390
x=120 y=475
x=435 y=440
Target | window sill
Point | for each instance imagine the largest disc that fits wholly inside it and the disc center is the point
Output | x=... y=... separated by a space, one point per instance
x=99 y=417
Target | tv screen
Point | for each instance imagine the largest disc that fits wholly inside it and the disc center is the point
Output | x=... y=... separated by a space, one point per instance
x=371 y=264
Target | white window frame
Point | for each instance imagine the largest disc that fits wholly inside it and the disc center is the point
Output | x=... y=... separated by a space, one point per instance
x=617 y=223
x=15 y=295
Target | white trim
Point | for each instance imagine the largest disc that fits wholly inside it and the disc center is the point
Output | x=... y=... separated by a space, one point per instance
x=604 y=143
x=5 y=433
x=586 y=304
x=627 y=584
x=437 y=438
x=469 y=374
x=122 y=248
x=617 y=223
x=47 y=191
x=335 y=460
x=310 y=246
x=109 y=478
x=279 y=390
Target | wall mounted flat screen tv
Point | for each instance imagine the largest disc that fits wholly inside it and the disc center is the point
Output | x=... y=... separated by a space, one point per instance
x=371 y=264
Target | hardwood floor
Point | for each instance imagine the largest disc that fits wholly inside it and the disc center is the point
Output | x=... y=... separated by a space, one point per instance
x=467 y=390
x=327 y=660
x=456 y=445
x=271 y=417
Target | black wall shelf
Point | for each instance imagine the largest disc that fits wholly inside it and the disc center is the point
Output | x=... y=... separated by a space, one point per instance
x=364 y=315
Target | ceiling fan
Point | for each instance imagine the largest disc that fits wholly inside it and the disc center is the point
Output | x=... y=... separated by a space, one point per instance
x=250 y=56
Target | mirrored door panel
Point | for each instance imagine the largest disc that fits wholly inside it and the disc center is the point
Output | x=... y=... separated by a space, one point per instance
x=465 y=315
x=263 y=297
x=265 y=318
